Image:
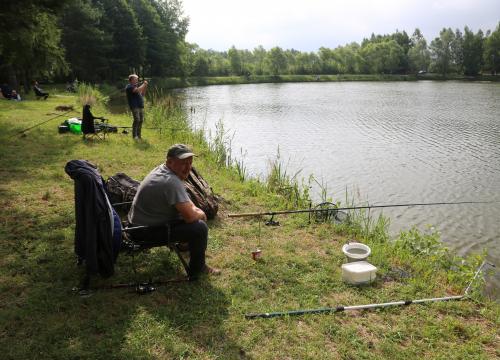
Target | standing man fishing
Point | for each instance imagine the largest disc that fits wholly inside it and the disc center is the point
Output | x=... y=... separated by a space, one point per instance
x=135 y=93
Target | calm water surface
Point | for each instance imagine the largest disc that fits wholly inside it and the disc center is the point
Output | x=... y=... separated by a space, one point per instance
x=385 y=143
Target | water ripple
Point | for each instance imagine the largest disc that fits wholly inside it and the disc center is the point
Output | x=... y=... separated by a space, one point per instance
x=382 y=142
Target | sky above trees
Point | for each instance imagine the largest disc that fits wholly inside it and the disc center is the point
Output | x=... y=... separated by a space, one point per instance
x=307 y=25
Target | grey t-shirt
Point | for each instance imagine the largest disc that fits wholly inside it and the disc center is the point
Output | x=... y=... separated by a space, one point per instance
x=154 y=203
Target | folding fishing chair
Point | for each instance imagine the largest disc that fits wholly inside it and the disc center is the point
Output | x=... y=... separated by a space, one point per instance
x=39 y=93
x=99 y=233
x=89 y=128
x=133 y=246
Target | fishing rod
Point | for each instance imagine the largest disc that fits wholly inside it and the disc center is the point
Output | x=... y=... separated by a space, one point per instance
x=330 y=310
x=139 y=287
x=284 y=212
x=130 y=127
x=43 y=122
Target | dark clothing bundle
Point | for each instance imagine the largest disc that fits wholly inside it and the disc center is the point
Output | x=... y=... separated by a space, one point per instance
x=88 y=121
x=6 y=91
x=97 y=232
x=134 y=99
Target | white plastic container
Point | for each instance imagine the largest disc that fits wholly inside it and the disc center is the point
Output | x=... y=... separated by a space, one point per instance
x=355 y=251
x=359 y=272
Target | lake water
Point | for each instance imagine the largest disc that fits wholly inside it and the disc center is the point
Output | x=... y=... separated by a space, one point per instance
x=382 y=142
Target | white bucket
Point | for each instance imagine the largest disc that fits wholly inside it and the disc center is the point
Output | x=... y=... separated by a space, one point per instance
x=356 y=251
x=358 y=272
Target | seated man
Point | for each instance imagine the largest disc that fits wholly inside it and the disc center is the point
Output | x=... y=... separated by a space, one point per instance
x=162 y=199
x=15 y=96
x=38 y=91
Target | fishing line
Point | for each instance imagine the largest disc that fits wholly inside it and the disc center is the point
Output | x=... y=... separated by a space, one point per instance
x=43 y=122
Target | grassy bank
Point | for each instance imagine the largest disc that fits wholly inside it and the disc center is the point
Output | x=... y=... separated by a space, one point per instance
x=41 y=318
x=172 y=83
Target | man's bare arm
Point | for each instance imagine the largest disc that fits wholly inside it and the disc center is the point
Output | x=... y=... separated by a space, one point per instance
x=141 y=89
x=189 y=212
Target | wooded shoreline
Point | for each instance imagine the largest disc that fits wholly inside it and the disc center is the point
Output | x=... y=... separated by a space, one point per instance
x=178 y=82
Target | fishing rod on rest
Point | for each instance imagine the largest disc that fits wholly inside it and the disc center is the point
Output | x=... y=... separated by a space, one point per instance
x=285 y=212
x=130 y=127
x=330 y=310
x=152 y=128
x=43 y=122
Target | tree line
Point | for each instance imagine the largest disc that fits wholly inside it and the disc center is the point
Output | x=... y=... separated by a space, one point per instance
x=105 y=40
x=91 y=40
x=455 y=52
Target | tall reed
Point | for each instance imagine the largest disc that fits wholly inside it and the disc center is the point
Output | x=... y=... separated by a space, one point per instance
x=90 y=95
x=279 y=181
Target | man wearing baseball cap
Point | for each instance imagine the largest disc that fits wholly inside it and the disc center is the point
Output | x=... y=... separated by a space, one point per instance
x=162 y=199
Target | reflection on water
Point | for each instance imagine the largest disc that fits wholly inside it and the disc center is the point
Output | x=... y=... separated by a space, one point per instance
x=118 y=104
x=382 y=142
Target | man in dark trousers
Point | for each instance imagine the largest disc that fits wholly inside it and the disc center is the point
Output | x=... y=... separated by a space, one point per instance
x=135 y=94
x=162 y=199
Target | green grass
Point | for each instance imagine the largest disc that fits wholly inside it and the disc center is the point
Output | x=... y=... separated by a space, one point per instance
x=41 y=318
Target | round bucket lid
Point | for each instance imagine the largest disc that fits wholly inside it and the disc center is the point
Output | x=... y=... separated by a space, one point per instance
x=356 y=250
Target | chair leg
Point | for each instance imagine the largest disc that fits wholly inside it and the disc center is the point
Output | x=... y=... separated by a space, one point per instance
x=181 y=258
x=84 y=289
x=85 y=285
x=177 y=251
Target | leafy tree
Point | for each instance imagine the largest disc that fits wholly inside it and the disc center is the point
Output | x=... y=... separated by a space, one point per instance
x=418 y=54
x=382 y=57
x=128 y=52
x=259 y=56
x=156 y=38
x=219 y=64
x=457 y=52
x=404 y=42
x=291 y=61
x=472 y=48
x=492 y=51
x=235 y=61
x=246 y=61
x=350 y=58
x=276 y=61
x=308 y=63
x=30 y=40
x=164 y=29
x=171 y=15
x=441 y=51
x=187 y=55
x=85 y=42
x=330 y=63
